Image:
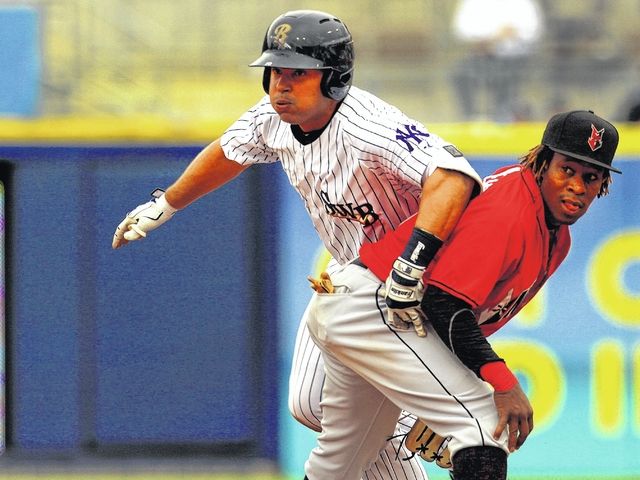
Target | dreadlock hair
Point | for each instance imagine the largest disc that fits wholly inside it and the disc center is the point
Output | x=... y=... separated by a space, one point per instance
x=538 y=160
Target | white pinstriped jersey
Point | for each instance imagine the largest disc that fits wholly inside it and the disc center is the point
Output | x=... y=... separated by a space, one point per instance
x=360 y=178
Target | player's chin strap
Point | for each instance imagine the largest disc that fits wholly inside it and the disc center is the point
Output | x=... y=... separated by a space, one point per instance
x=423 y=441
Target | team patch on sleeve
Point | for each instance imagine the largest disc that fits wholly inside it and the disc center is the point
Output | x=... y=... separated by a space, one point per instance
x=453 y=151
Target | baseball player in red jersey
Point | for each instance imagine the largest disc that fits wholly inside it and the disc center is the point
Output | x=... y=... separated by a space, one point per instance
x=508 y=242
x=360 y=165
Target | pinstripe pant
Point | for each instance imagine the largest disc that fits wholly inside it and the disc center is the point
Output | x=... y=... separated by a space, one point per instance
x=307 y=378
x=372 y=370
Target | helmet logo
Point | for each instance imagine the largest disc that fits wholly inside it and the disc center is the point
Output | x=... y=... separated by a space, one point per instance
x=280 y=35
x=595 y=140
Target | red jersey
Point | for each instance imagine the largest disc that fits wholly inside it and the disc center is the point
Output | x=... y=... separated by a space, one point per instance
x=497 y=257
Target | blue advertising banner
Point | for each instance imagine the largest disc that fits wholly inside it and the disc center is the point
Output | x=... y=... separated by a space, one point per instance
x=576 y=347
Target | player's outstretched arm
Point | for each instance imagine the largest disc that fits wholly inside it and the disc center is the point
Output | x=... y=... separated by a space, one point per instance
x=209 y=170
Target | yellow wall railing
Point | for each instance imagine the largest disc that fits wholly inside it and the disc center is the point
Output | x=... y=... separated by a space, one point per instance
x=472 y=138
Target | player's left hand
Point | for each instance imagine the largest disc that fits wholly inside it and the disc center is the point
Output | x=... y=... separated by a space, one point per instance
x=404 y=289
x=143 y=219
x=515 y=414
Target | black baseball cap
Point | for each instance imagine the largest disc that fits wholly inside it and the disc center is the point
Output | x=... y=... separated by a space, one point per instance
x=583 y=135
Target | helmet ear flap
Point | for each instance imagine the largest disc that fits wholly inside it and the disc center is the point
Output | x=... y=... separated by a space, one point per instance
x=325 y=83
x=266 y=77
x=334 y=84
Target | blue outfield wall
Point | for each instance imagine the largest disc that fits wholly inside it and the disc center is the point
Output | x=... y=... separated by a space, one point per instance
x=185 y=339
x=167 y=343
x=576 y=347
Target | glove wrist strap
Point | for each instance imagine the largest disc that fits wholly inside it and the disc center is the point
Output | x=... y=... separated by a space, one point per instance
x=406 y=271
x=421 y=248
x=161 y=201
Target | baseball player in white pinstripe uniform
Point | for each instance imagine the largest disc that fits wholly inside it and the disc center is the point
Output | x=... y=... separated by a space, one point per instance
x=359 y=164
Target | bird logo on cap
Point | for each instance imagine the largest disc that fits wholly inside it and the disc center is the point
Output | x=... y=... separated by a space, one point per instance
x=595 y=140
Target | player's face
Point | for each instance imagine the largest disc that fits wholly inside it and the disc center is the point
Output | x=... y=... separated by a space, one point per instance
x=568 y=187
x=296 y=97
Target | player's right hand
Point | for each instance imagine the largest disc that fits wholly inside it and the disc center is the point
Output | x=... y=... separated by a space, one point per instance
x=143 y=219
x=404 y=289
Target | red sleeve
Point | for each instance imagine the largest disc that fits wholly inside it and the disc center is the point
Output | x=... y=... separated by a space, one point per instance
x=379 y=256
x=483 y=249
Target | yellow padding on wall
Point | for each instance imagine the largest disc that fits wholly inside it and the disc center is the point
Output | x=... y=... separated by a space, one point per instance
x=470 y=138
x=517 y=138
x=63 y=130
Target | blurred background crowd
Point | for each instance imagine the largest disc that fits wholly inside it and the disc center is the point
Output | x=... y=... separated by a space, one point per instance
x=439 y=60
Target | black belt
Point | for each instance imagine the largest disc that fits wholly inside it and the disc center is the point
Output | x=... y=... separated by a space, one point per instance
x=357 y=261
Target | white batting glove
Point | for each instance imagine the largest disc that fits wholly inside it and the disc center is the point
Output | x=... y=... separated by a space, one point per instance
x=143 y=219
x=404 y=289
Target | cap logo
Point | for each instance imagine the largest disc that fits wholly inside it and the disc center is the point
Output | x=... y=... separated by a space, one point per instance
x=280 y=35
x=595 y=140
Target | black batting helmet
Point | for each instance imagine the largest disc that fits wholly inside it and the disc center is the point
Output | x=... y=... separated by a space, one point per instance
x=312 y=40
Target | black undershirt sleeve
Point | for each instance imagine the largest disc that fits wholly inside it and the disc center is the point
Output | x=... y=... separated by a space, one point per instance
x=454 y=321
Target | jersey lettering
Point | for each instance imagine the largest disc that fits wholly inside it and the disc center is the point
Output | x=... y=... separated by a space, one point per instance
x=362 y=214
x=411 y=134
x=351 y=160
